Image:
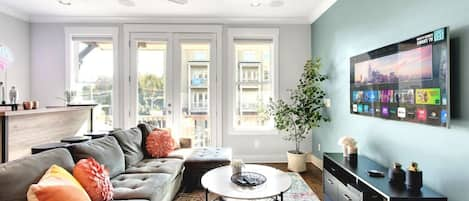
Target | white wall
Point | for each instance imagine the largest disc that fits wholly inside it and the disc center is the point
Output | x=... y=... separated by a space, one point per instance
x=48 y=82
x=14 y=33
x=47 y=63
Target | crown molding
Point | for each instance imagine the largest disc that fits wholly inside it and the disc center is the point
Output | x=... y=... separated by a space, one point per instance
x=14 y=13
x=169 y=20
x=320 y=9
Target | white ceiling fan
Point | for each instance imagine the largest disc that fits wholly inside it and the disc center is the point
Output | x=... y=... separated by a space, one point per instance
x=131 y=3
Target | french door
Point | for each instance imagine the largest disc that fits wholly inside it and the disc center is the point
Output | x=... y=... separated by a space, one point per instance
x=172 y=83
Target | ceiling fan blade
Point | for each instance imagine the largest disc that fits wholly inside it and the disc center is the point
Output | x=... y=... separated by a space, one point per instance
x=128 y=3
x=182 y=2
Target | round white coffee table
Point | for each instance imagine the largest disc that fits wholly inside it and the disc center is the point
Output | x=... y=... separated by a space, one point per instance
x=218 y=181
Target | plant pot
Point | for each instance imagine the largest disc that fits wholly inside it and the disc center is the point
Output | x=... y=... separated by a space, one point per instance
x=296 y=162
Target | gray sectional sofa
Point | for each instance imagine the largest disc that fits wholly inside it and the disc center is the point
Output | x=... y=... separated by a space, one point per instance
x=134 y=176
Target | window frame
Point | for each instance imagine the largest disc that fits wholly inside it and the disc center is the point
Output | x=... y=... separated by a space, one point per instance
x=95 y=32
x=249 y=34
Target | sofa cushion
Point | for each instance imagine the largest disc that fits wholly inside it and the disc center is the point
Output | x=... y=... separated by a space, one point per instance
x=105 y=150
x=57 y=184
x=170 y=166
x=94 y=178
x=130 y=141
x=146 y=129
x=152 y=187
x=26 y=171
x=160 y=143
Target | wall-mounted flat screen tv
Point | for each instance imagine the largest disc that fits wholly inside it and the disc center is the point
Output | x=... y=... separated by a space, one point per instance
x=405 y=81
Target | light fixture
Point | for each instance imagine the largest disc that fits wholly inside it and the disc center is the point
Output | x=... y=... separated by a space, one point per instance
x=276 y=3
x=256 y=3
x=128 y=3
x=65 y=2
x=181 y=2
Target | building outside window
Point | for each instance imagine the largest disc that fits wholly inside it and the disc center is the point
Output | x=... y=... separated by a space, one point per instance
x=254 y=67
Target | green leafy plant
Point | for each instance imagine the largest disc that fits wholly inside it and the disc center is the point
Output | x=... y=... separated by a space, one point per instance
x=305 y=109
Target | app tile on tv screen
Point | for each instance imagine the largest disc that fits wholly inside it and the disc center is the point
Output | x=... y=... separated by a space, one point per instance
x=401 y=113
x=444 y=116
x=421 y=114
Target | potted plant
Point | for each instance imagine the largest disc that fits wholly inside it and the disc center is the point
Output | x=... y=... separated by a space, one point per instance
x=302 y=113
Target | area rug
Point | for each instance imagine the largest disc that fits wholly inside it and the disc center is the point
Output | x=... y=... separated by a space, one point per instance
x=299 y=191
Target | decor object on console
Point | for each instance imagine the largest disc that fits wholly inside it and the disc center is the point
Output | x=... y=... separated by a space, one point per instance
x=27 y=105
x=349 y=145
x=57 y=185
x=397 y=175
x=94 y=178
x=68 y=96
x=6 y=58
x=13 y=94
x=304 y=113
x=159 y=143
x=414 y=178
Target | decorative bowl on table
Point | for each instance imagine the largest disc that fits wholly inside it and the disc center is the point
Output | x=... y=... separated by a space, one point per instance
x=248 y=179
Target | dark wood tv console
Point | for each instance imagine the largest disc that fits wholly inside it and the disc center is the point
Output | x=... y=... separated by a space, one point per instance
x=345 y=181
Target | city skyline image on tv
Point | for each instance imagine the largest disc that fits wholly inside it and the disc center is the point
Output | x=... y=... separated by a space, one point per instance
x=415 y=64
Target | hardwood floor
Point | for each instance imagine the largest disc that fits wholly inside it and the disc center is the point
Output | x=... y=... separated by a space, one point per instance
x=312 y=176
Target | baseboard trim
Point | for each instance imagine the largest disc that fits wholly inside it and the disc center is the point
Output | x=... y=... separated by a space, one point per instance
x=265 y=158
x=277 y=158
x=315 y=161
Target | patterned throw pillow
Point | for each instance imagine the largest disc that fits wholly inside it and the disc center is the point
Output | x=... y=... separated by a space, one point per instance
x=57 y=185
x=159 y=143
x=94 y=178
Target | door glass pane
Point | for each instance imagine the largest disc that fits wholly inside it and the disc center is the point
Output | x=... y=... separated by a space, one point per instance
x=151 y=83
x=92 y=78
x=195 y=61
x=254 y=86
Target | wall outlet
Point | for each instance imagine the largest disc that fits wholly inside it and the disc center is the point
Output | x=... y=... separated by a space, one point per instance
x=327 y=102
x=319 y=147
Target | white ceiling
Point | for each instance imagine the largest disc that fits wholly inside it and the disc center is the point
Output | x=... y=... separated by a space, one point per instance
x=292 y=11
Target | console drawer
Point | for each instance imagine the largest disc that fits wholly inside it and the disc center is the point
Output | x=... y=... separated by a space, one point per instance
x=339 y=173
x=331 y=186
x=349 y=193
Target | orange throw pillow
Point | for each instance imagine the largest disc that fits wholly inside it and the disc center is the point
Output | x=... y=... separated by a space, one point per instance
x=57 y=185
x=94 y=178
x=159 y=143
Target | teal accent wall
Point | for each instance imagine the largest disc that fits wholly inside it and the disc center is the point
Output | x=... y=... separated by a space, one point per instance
x=350 y=28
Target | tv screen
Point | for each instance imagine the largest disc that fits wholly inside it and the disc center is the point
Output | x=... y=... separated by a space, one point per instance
x=405 y=81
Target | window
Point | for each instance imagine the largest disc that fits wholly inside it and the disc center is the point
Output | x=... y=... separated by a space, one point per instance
x=90 y=72
x=253 y=65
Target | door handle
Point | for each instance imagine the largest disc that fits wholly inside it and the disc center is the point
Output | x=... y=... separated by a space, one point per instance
x=169 y=108
x=348 y=198
x=330 y=181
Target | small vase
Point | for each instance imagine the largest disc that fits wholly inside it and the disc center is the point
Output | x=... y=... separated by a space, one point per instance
x=414 y=180
x=397 y=175
x=345 y=152
x=237 y=166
